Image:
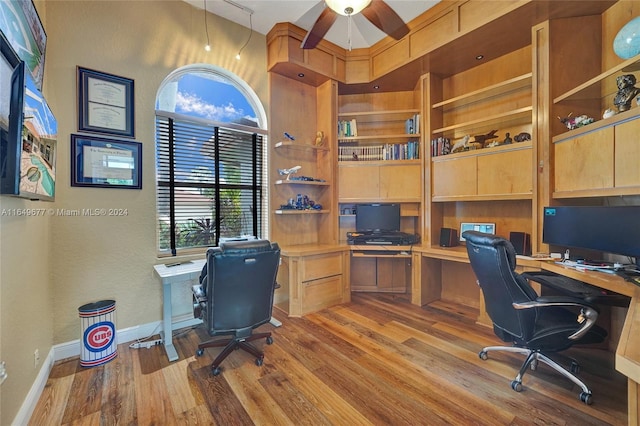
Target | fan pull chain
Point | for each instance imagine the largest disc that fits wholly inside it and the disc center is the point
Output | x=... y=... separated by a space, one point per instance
x=349 y=27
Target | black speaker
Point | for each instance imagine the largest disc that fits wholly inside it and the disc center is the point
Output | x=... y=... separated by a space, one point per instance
x=448 y=237
x=521 y=242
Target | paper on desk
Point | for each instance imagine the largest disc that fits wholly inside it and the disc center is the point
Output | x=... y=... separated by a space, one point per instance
x=535 y=257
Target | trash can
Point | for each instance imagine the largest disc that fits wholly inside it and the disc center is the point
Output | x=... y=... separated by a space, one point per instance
x=98 y=333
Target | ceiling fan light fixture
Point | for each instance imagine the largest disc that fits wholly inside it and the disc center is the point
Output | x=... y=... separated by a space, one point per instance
x=347 y=7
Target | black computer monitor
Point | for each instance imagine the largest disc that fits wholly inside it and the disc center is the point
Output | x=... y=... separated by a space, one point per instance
x=609 y=229
x=377 y=217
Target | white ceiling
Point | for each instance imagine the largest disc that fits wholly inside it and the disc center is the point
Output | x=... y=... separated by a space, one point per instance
x=303 y=13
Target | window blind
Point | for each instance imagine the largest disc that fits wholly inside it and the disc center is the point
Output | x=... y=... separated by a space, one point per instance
x=209 y=183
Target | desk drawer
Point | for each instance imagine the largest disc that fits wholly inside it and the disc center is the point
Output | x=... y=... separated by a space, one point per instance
x=319 y=294
x=320 y=266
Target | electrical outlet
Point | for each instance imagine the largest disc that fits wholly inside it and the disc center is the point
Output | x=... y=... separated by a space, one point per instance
x=36 y=358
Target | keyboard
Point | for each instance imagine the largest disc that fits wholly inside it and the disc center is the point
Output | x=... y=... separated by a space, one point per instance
x=576 y=288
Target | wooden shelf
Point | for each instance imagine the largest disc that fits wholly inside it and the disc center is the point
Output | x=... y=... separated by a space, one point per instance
x=516 y=83
x=378 y=200
x=518 y=116
x=296 y=145
x=294 y=212
x=631 y=114
x=377 y=137
x=301 y=182
x=484 y=151
x=591 y=89
x=377 y=116
x=376 y=255
x=488 y=197
x=378 y=163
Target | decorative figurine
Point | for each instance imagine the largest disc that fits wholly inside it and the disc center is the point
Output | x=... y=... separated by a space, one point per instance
x=521 y=137
x=626 y=91
x=482 y=139
x=461 y=145
x=320 y=138
x=574 y=123
x=609 y=112
x=507 y=139
x=289 y=172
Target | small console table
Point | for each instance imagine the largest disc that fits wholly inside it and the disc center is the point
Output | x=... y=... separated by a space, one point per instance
x=171 y=275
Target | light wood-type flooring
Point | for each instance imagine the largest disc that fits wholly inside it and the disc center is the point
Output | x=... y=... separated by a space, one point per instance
x=376 y=361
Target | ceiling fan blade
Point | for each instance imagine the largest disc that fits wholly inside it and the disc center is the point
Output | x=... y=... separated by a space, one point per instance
x=319 y=29
x=382 y=16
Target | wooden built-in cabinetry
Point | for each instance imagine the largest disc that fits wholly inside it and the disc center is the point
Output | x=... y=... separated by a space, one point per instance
x=541 y=61
x=491 y=184
x=390 y=120
x=600 y=159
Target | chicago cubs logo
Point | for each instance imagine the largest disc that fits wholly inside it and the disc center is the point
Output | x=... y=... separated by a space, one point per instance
x=99 y=336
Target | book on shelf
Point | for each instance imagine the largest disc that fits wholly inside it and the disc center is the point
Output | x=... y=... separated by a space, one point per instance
x=398 y=151
x=440 y=146
x=347 y=128
x=412 y=125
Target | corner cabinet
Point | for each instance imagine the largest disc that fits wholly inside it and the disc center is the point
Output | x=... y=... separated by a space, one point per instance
x=314 y=270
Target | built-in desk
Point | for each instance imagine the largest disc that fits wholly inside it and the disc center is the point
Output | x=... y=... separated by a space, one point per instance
x=427 y=286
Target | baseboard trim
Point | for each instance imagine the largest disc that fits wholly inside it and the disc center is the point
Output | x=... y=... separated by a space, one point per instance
x=31 y=400
x=72 y=349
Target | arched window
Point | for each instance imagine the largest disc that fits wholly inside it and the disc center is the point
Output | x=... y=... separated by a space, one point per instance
x=210 y=159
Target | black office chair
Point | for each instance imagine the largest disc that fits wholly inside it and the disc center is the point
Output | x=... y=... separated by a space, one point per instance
x=235 y=296
x=534 y=325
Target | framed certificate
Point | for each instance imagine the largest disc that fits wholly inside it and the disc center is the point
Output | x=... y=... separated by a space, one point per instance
x=105 y=163
x=105 y=103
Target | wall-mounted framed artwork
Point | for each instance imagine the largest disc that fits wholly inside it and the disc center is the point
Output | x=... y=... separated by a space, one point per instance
x=105 y=103
x=105 y=163
x=21 y=25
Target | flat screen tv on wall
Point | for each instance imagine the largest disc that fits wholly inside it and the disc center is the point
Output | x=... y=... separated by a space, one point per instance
x=28 y=132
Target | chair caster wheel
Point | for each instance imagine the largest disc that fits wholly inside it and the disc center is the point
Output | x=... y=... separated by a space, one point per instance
x=200 y=352
x=483 y=355
x=259 y=362
x=216 y=371
x=586 y=398
x=516 y=386
x=269 y=340
x=575 y=367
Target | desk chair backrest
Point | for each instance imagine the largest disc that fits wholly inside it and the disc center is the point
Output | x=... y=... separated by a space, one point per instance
x=493 y=260
x=239 y=284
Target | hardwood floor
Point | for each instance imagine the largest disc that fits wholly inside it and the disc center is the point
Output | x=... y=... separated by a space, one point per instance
x=378 y=360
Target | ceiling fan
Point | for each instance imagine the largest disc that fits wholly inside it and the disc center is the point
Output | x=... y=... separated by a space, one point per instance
x=377 y=12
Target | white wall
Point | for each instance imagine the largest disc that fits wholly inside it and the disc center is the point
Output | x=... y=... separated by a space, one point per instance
x=51 y=266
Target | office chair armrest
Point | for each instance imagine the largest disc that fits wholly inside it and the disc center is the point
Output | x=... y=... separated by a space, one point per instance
x=588 y=312
x=198 y=293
